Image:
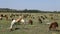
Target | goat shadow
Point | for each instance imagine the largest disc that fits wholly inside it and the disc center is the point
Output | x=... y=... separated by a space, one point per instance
x=23 y=28
x=58 y=30
x=17 y=28
x=55 y=30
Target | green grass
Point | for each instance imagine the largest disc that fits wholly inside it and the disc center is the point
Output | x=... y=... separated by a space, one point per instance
x=36 y=28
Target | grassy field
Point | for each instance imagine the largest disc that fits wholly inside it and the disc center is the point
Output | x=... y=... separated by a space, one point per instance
x=36 y=28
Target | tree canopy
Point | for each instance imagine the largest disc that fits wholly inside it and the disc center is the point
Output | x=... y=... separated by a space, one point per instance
x=26 y=11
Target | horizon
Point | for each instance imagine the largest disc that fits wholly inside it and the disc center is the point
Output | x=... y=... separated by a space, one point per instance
x=44 y=5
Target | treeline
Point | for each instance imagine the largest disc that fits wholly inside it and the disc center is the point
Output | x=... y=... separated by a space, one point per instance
x=25 y=11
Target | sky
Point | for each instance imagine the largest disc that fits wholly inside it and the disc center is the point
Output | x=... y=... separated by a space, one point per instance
x=45 y=5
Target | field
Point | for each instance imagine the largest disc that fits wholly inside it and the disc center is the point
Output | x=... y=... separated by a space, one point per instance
x=36 y=28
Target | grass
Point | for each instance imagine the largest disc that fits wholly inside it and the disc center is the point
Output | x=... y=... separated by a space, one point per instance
x=36 y=28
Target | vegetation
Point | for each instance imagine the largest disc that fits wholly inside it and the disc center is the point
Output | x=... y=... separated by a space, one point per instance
x=36 y=28
x=26 y=11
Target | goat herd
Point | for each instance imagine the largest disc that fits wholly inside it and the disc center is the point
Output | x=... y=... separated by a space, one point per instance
x=22 y=18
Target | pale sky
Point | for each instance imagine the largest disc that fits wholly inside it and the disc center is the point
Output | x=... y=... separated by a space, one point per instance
x=47 y=5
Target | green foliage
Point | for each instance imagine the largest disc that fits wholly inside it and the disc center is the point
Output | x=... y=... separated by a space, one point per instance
x=25 y=11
